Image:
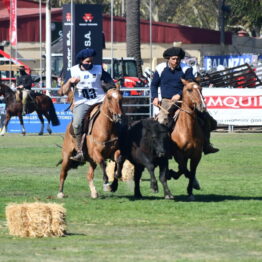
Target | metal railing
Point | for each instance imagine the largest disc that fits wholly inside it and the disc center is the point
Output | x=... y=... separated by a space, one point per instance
x=134 y=105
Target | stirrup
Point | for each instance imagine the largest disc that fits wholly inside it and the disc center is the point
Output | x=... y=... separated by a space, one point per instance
x=79 y=157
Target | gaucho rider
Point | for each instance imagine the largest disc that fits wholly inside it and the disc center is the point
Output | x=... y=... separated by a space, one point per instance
x=168 y=77
x=86 y=81
x=24 y=84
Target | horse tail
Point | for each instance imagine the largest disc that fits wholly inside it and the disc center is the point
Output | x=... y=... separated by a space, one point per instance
x=53 y=116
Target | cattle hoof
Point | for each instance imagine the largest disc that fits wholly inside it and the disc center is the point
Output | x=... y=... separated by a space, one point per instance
x=106 y=187
x=60 y=195
x=191 y=198
x=114 y=186
x=169 y=197
x=23 y=133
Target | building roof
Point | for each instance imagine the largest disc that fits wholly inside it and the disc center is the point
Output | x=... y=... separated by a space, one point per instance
x=28 y=27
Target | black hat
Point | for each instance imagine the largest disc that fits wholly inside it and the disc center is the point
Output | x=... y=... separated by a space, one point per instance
x=83 y=54
x=174 y=51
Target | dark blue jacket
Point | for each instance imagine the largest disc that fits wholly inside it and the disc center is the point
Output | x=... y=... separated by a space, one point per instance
x=169 y=80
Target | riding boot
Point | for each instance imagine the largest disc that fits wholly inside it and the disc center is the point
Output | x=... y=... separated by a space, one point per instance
x=79 y=157
x=209 y=124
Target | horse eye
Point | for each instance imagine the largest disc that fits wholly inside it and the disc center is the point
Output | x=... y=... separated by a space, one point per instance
x=190 y=90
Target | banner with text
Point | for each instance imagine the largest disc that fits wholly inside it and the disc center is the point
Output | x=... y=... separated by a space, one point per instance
x=32 y=123
x=236 y=107
x=82 y=28
x=212 y=62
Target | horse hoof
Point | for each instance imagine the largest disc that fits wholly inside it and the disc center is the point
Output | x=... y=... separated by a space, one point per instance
x=191 y=198
x=169 y=197
x=94 y=195
x=23 y=133
x=49 y=132
x=60 y=195
x=40 y=134
x=106 y=187
x=196 y=184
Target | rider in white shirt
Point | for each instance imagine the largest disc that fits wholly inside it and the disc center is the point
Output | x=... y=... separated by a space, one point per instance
x=85 y=79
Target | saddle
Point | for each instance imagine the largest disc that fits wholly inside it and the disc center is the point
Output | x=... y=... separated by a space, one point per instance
x=89 y=120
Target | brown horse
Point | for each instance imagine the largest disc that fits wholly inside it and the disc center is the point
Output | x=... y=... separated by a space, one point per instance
x=100 y=144
x=42 y=104
x=187 y=135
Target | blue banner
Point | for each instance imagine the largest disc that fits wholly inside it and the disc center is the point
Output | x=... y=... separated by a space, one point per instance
x=33 y=125
x=228 y=61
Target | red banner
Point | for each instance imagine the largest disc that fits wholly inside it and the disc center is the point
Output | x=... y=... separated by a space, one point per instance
x=234 y=102
x=13 y=23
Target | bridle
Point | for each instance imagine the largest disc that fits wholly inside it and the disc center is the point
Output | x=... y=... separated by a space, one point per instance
x=115 y=117
x=183 y=103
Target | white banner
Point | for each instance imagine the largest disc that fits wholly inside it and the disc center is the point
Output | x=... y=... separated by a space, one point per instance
x=236 y=107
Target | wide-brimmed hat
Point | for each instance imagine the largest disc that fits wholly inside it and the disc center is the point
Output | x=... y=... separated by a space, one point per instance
x=174 y=51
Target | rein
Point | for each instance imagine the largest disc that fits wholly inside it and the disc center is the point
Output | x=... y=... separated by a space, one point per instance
x=179 y=107
x=111 y=119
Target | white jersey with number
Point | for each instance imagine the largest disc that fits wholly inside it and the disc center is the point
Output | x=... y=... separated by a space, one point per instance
x=89 y=89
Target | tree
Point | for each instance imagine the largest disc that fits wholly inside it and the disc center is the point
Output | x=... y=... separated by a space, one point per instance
x=246 y=15
x=133 y=32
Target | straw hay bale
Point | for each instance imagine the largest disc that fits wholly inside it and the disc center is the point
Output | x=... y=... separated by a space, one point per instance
x=127 y=171
x=36 y=219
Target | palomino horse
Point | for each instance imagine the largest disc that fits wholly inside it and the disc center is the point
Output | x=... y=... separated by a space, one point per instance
x=101 y=142
x=42 y=104
x=187 y=135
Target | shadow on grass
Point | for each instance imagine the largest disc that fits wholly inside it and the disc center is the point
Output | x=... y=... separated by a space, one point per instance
x=184 y=198
x=218 y=198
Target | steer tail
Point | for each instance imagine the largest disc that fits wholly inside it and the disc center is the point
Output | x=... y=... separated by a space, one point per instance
x=53 y=116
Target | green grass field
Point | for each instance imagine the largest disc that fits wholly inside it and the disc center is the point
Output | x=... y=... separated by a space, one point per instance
x=224 y=223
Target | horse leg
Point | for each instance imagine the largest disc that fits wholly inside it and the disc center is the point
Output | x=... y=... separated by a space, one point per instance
x=163 y=168
x=90 y=179
x=119 y=160
x=137 y=177
x=40 y=116
x=106 y=185
x=7 y=119
x=193 y=166
x=63 y=174
x=22 y=124
x=49 y=130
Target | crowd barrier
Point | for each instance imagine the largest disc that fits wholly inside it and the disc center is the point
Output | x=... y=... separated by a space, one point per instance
x=229 y=106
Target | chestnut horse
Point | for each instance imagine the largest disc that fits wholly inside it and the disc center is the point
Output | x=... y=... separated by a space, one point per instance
x=188 y=136
x=100 y=144
x=43 y=105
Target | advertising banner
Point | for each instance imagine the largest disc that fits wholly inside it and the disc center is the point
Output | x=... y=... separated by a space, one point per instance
x=236 y=107
x=212 y=62
x=82 y=28
x=32 y=123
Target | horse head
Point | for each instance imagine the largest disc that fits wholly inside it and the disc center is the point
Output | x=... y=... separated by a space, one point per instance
x=6 y=91
x=113 y=105
x=192 y=96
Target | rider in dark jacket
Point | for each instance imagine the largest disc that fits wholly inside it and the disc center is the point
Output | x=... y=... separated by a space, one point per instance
x=167 y=77
x=24 y=83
